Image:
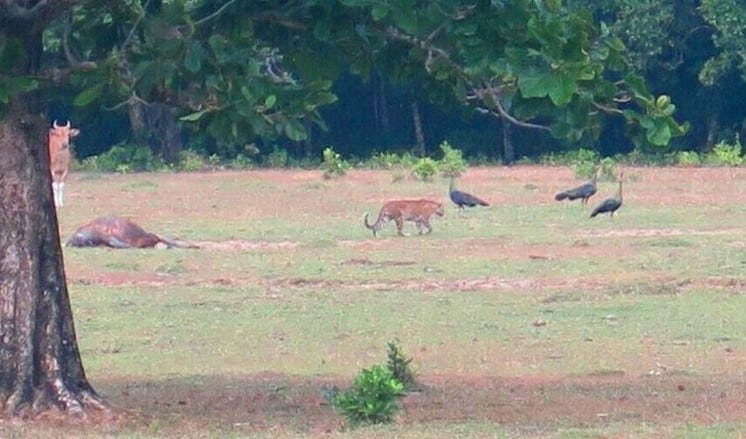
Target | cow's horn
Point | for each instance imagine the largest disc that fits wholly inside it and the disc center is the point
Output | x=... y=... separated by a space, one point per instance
x=55 y=124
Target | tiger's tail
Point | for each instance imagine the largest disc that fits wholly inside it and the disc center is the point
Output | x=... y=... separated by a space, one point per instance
x=374 y=226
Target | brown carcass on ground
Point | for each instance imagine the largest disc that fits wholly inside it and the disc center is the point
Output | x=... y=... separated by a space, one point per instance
x=118 y=232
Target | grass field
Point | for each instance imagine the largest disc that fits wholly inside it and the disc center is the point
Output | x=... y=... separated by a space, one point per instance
x=524 y=319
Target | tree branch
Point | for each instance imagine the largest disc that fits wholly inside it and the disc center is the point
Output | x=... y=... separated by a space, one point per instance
x=606 y=109
x=214 y=14
x=30 y=20
x=134 y=26
x=434 y=53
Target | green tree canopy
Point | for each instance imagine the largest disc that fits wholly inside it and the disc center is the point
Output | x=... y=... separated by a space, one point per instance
x=532 y=63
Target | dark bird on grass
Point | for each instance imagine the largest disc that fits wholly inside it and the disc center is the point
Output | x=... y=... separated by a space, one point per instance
x=584 y=191
x=462 y=199
x=610 y=205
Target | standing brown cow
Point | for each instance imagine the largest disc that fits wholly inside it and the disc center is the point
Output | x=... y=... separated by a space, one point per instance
x=59 y=157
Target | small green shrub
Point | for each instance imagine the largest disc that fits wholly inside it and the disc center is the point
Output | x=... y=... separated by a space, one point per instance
x=125 y=158
x=333 y=164
x=372 y=399
x=241 y=161
x=425 y=169
x=390 y=160
x=687 y=158
x=278 y=158
x=399 y=365
x=608 y=169
x=214 y=161
x=191 y=161
x=725 y=154
x=638 y=157
x=584 y=163
x=452 y=164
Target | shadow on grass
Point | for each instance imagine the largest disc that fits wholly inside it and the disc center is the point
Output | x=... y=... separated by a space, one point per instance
x=281 y=405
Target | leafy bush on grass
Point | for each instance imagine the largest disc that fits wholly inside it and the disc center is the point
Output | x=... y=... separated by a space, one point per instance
x=333 y=164
x=191 y=161
x=390 y=160
x=585 y=163
x=725 y=154
x=452 y=164
x=567 y=158
x=278 y=158
x=372 y=399
x=687 y=158
x=398 y=364
x=124 y=158
x=425 y=169
x=608 y=169
x=241 y=161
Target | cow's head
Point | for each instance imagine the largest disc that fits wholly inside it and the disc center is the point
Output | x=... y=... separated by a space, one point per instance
x=60 y=135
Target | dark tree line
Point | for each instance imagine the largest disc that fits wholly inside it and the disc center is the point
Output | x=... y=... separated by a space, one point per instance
x=377 y=89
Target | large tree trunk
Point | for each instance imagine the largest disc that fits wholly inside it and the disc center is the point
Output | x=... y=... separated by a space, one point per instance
x=419 y=133
x=508 y=148
x=41 y=365
x=155 y=125
x=380 y=104
x=713 y=125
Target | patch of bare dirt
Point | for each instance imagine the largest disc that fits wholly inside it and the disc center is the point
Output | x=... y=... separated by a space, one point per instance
x=274 y=402
x=238 y=244
x=588 y=284
x=642 y=233
x=369 y=263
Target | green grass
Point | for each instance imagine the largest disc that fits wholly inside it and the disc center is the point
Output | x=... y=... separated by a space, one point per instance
x=307 y=331
x=527 y=288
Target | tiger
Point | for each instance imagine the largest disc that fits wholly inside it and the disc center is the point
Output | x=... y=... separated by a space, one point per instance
x=417 y=211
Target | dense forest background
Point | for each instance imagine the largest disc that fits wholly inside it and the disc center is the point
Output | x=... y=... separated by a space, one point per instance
x=370 y=94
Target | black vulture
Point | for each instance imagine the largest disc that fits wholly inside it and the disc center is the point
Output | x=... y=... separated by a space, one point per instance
x=462 y=199
x=584 y=191
x=610 y=205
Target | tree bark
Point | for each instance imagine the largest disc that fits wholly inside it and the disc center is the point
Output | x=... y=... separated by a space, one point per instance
x=154 y=125
x=380 y=104
x=41 y=366
x=508 y=148
x=713 y=125
x=419 y=134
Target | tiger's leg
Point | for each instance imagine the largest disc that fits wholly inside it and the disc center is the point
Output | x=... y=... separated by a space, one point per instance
x=420 y=223
x=426 y=223
x=399 y=226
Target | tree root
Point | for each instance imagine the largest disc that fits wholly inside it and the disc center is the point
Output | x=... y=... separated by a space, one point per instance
x=58 y=401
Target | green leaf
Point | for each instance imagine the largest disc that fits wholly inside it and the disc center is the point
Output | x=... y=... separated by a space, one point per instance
x=193 y=117
x=270 y=101
x=405 y=17
x=535 y=85
x=379 y=12
x=324 y=98
x=194 y=56
x=10 y=52
x=636 y=84
x=87 y=96
x=355 y=3
x=19 y=84
x=659 y=134
x=246 y=93
x=563 y=89
x=295 y=130
x=219 y=46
